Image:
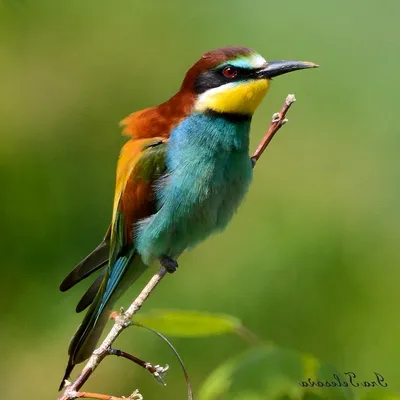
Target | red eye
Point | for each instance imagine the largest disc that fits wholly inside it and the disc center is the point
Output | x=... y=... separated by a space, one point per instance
x=230 y=72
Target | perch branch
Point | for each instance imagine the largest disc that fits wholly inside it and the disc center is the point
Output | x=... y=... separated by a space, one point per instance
x=278 y=120
x=89 y=395
x=123 y=320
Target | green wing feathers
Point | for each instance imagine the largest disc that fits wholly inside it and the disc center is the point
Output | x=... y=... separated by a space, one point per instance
x=93 y=262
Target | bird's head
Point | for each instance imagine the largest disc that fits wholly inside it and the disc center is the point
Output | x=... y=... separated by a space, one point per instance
x=234 y=80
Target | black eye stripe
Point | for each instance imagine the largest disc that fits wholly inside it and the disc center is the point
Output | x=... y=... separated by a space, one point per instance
x=241 y=72
x=215 y=77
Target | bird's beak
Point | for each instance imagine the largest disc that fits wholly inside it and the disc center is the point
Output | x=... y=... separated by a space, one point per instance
x=276 y=68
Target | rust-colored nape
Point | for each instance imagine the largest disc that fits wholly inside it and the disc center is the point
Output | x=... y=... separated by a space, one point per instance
x=159 y=120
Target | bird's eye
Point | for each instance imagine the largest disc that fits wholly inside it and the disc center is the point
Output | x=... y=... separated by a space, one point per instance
x=230 y=72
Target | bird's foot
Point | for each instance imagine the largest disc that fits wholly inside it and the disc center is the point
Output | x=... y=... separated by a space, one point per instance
x=169 y=264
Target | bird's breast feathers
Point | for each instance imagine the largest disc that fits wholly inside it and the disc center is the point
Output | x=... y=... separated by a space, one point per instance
x=209 y=172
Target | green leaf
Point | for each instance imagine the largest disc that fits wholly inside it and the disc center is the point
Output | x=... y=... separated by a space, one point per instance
x=188 y=323
x=219 y=382
x=272 y=373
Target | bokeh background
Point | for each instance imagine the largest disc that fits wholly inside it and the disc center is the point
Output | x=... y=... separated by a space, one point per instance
x=311 y=261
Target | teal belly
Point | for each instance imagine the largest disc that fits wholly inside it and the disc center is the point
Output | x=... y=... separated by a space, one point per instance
x=208 y=202
x=209 y=173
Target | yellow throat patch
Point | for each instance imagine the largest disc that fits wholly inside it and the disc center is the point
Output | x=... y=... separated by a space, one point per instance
x=235 y=98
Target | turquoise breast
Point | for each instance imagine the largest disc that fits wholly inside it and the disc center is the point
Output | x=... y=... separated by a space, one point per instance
x=209 y=172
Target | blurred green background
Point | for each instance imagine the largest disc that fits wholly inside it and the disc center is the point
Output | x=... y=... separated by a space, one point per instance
x=311 y=261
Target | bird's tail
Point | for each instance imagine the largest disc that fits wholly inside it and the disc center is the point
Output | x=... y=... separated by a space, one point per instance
x=117 y=279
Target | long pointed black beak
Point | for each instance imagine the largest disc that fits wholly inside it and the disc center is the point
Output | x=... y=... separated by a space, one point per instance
x=276 y=68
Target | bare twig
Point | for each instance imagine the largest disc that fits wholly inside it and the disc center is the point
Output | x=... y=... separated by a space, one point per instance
x=278 y=119
x=122 y=321
x=89 y=395
x=157 y=371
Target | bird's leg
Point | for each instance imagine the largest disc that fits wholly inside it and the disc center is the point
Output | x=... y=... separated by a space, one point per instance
x=169 y=264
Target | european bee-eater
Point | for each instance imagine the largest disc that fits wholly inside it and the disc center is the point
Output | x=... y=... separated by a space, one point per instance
x=180 y=178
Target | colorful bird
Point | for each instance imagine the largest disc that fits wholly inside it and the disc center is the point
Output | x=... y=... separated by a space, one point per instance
x=180 y=178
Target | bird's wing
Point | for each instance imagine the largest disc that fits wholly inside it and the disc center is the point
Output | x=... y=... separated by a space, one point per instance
x=141 y=162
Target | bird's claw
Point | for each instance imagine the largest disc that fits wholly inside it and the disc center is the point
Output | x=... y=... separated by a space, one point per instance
x=169 y=264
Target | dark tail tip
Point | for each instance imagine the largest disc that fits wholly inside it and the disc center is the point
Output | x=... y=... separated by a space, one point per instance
x=67 y=374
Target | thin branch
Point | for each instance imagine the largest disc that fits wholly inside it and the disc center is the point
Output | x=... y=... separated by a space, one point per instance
x=278 y=120
x=89 y=395
x=121 y=322
x=157 y=371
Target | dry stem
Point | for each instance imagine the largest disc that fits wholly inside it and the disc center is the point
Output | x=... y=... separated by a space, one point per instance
x=278 y=120
x=89 y=395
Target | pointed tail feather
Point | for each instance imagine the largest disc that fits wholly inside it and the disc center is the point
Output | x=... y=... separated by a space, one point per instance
x=94 y=261
x=67 y=373
x=117 y=279
x=89 y=296
x=85 y=339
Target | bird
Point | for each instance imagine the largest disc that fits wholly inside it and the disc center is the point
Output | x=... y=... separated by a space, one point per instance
x=180 y=178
